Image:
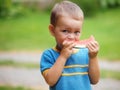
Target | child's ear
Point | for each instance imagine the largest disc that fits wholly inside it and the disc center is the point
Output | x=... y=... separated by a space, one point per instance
x=51 y=29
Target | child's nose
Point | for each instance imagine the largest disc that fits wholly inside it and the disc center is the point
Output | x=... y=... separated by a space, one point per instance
x=71 y=36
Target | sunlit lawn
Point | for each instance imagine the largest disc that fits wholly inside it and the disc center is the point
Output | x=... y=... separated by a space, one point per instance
x=30 y=32
x=26 y=33
x=13 y=88
x=110 y=74
x=11 y=63
x=105 y=27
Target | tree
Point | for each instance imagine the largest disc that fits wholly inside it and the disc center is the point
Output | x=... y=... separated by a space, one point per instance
x=88 y=6
x=5 y=6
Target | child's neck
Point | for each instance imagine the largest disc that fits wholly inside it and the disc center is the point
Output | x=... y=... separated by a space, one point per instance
x=58 y=48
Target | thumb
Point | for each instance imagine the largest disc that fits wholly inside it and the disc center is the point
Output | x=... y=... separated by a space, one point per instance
x=92 y=37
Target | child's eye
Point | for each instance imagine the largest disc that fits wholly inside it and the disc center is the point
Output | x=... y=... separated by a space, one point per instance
x=77 y=32
x=65 y=31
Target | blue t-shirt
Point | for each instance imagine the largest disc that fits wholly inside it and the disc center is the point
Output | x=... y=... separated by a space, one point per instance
x=75 y=73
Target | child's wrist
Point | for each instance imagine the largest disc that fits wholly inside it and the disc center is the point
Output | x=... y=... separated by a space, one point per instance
x=63 y=57
x=93 y=57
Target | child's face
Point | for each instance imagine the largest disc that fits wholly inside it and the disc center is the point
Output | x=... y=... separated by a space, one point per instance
x=67 y=28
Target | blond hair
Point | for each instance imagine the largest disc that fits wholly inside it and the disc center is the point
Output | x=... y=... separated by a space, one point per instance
x=65 y=7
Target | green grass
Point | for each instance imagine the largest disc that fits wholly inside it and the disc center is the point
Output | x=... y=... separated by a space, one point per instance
x=31 y=33
x=18 y=64
x=25 y=33
x=105 y=27
x=110 y=74
x=13 y=88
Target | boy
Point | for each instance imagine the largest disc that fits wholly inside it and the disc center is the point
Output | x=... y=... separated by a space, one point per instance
x=62 y=67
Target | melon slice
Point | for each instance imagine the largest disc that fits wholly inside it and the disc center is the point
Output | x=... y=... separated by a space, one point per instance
x=83 y=43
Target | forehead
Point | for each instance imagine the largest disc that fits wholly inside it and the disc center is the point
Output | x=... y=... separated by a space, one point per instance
x=69 y=22
x=76 y=16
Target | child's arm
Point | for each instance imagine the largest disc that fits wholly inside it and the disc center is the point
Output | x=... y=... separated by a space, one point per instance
x=94 y=72
x=53 y=74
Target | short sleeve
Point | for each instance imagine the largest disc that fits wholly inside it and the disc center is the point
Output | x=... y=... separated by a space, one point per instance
x=46 y=61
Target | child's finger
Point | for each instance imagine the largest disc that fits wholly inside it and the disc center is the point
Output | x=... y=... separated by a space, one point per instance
x=72 y=45
x=93 y=46
x=92 y=37
x=66 y=43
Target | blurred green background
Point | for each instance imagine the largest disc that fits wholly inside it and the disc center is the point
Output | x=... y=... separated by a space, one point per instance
x=24 y=27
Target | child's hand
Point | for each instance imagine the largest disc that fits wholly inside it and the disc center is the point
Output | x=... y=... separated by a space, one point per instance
x=93 y=47
x=67 y=48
